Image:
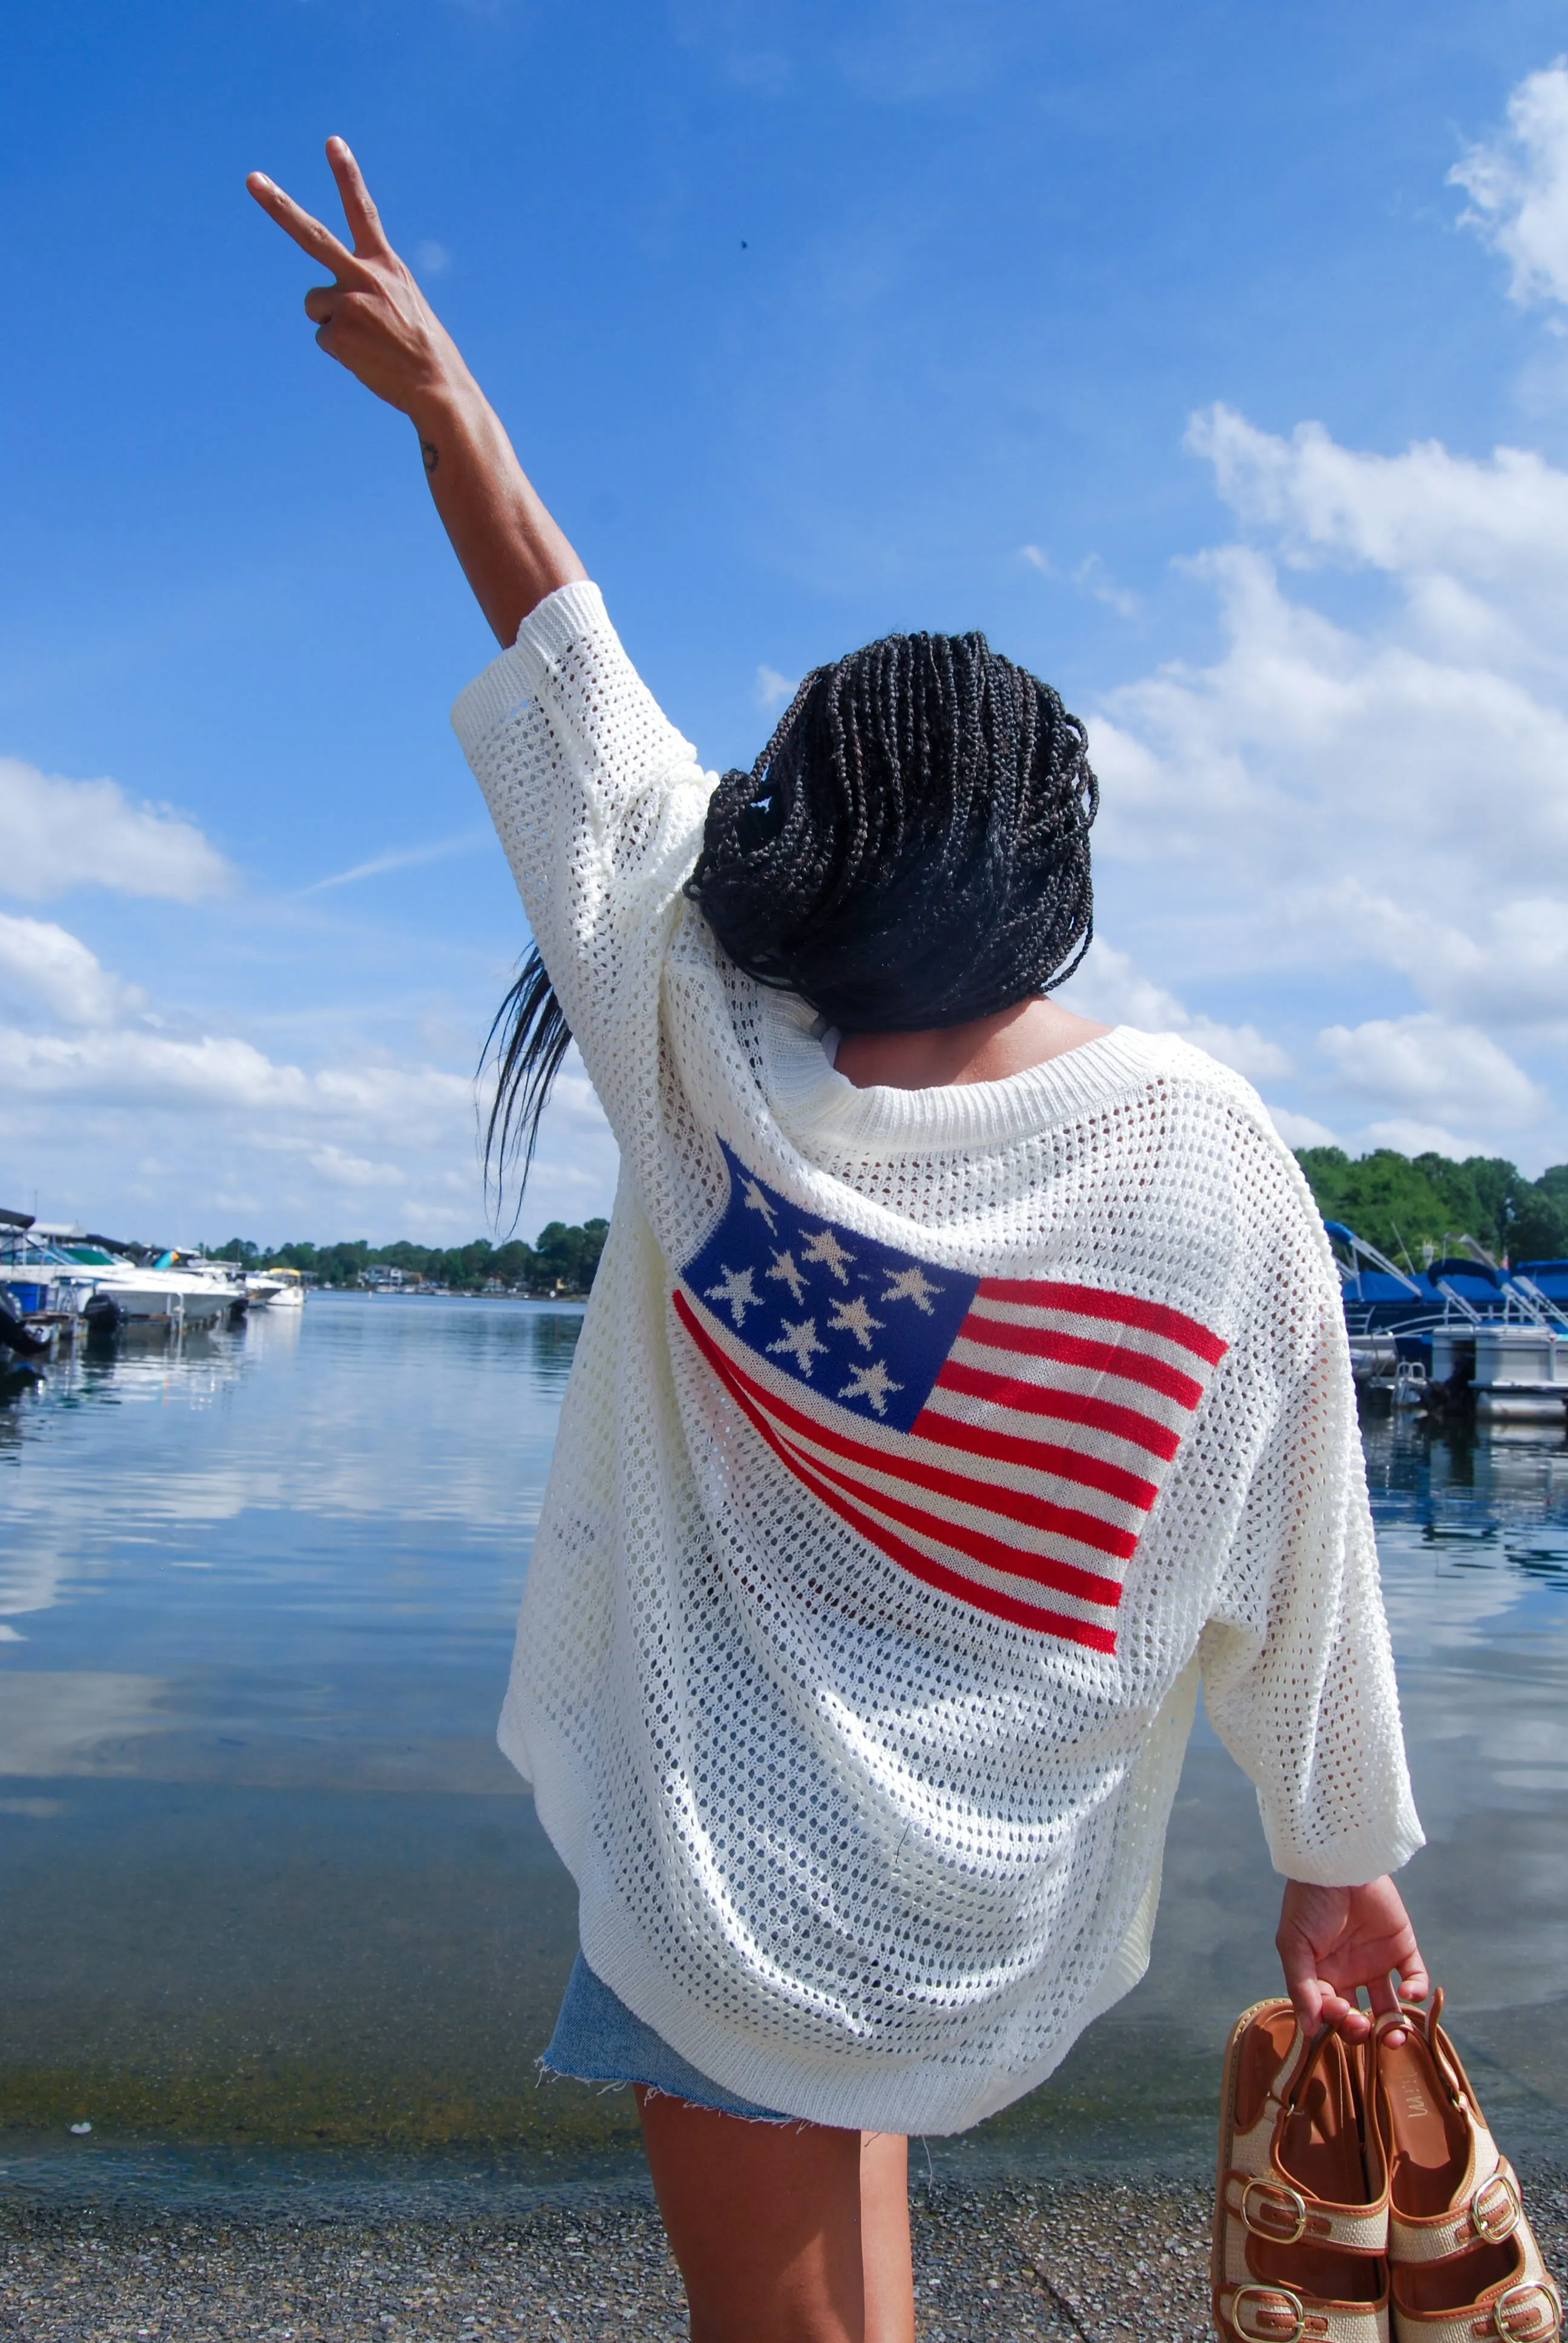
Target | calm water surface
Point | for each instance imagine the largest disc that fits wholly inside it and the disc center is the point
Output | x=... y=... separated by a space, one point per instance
x=275 y=1914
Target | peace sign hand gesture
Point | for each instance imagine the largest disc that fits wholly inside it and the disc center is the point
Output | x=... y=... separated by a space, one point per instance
x=373 y=319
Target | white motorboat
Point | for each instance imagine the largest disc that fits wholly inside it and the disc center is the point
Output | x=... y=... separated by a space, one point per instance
x=274 y=1289
x=113 y=1292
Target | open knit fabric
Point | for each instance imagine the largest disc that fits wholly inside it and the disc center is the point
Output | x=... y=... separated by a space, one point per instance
x=920 y=1447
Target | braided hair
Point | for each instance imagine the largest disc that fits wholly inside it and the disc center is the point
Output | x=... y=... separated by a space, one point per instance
x=909 y=850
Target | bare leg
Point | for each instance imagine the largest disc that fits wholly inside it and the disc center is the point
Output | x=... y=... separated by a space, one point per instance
x=889 y=2274
x=765 y=2222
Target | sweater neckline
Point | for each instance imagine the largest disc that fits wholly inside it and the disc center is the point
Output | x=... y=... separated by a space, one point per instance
x=814 y=1101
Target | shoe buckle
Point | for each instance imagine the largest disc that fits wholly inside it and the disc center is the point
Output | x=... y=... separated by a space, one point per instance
x=1493 y=2220
x=1280 y=2217
x=1534 y=2298
x=1282 y=2317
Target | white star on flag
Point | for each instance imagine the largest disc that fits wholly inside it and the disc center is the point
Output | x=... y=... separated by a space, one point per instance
x=911 y=1285
x=784 y=1268
x=824 y=1246
x=756 y=1201
x=736 y=1293
x=854 y=1318
x=873 y=1383
x=800 y=1342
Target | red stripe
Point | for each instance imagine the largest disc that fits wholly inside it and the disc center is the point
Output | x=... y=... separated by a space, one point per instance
x=1044 y=1570
x=1040 y=1455
x=1152 y=1317
x=1070 y=1407
x=988 y=1496
x=967 y=1590
x=1077 y=1351
x=920 y=1566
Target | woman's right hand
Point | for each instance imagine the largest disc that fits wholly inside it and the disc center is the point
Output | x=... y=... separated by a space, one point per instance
x=1332 y=1940
x=372 y=319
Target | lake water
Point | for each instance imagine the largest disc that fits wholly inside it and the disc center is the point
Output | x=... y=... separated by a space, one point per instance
x=275 y=1915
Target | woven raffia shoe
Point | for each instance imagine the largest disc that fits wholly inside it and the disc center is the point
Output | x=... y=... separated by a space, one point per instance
x=1301 y=2207
x=1465 y=2258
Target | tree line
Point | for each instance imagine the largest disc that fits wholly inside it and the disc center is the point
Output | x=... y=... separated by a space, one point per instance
x=562 y=1259
x=1403 y=1203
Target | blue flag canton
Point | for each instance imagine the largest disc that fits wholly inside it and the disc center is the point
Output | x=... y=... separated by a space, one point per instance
x=853 y=1320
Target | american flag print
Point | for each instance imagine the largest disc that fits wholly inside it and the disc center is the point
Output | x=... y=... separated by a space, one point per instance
x=1000 y=1438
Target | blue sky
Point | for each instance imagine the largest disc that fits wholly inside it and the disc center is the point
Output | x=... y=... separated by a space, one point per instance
x=1165 y=346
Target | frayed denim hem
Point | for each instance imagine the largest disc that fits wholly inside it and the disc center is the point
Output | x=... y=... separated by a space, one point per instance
x=605 y=2084
x=598 y=2040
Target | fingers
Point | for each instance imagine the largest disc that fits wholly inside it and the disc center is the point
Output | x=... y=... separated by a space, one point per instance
x=364 y=219
x=1413 y=1981
x=308 y=234
x=1302 y=1983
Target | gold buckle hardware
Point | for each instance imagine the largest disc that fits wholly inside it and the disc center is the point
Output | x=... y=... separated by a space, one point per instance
x=1273 y=2301
x=1279 y=2199
x=1494 y=2222
x=1536 y=2295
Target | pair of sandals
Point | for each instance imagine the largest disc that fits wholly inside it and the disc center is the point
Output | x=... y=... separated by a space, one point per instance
x=1360 y=2190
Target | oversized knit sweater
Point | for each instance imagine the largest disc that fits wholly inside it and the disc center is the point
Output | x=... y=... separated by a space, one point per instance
x=921 y=1448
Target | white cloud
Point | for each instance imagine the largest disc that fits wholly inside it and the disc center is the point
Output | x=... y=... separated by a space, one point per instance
x=1358 y=799
x=1503 y=522
x=135 y=1123
x=59 y=834
x=772 y=689
x=405 y=858
x=1107 y=986
x=1517 y=188
x=1407 y=1137
x=1301 y=1130
x=1450 y=1074
x=1090 y=574
x=1036 y=559
x=1512 y=969
x=53 y=969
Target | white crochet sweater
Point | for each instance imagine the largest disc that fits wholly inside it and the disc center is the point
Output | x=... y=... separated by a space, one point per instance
x=921 y=1445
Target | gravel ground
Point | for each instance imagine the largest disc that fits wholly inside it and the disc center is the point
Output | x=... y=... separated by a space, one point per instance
x=1085 y=2263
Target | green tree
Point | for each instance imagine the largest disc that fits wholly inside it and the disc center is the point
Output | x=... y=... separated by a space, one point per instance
x=1401 y=1204
x=569 y=1256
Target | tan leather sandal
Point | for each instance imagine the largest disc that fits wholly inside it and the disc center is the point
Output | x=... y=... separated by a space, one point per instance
x=1300 y=2204
x=1466 y=2263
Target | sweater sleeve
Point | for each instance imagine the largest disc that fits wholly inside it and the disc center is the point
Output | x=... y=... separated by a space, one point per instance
x=1297 y=1673
x=599 y=804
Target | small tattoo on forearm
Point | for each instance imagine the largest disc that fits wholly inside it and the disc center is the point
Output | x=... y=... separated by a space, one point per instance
x=431 y=453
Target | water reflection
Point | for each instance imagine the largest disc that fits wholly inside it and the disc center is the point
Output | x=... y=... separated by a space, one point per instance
x=269 y=1879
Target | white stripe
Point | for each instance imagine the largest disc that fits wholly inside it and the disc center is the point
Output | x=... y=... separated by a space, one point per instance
x=1002 y=1582
x=1090 y=1328
x=1110 y=1447
x=1090 y=1382
x=1053 y=1545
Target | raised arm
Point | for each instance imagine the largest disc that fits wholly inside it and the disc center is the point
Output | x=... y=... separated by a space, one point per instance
x=373 y=319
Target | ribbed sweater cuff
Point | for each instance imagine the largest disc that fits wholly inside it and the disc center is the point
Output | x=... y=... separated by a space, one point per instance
x=1350 y=1862
x=513 y=679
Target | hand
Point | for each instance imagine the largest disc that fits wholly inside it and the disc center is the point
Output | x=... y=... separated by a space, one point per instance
x=372 y=319
x=1333 y=1939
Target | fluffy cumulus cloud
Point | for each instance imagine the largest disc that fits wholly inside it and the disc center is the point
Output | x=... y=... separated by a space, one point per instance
x=1518 y=187
x=1108 y=985
x=60 y=834
x=125 y=1111
x=1356 y=808
x=191 y=1135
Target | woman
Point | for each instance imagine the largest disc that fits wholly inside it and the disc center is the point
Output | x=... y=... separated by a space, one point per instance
x=961 y=1377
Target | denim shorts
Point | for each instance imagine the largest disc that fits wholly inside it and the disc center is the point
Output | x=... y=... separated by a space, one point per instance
x=598 y=2040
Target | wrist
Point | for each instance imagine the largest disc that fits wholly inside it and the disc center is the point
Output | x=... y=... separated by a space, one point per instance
x=450 y=404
